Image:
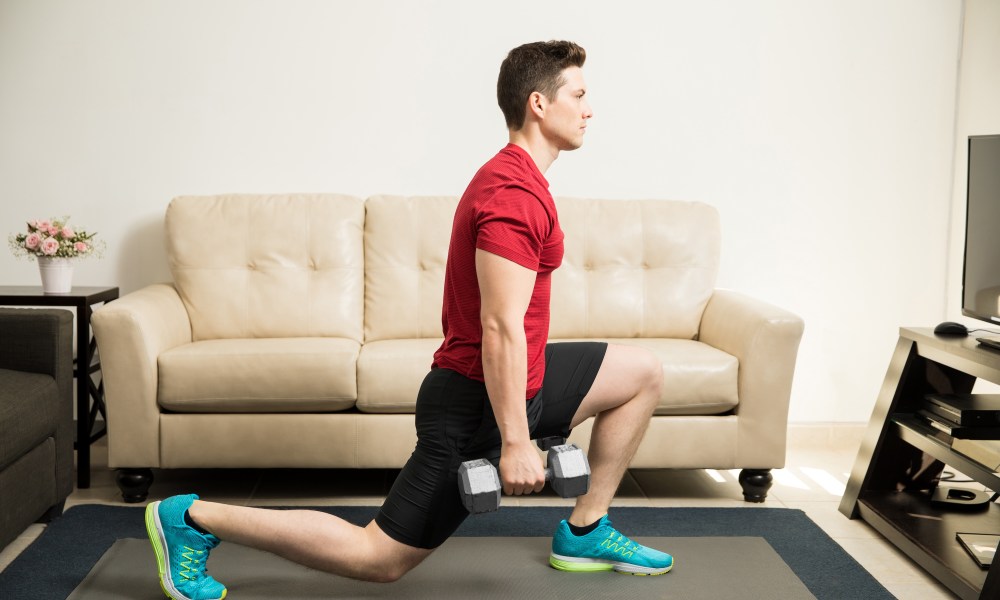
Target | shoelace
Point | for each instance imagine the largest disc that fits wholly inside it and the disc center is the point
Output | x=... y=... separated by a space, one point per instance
x=620 y=544
x=192 y=568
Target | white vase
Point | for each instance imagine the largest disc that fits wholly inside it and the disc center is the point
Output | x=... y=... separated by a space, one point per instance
x=57 y=274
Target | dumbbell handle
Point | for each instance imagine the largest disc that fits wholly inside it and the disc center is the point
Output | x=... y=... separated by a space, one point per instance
x=550 y=474
x=480 y=484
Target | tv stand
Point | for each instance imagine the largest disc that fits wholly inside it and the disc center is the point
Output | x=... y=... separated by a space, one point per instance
x=900 y=458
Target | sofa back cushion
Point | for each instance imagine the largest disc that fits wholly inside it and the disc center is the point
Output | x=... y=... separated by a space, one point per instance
x=632 y=268
x=255 y=266
x=406 y=248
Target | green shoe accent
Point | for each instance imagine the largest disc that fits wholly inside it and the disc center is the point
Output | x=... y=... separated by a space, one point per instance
x=578 y=567
x=154 y=541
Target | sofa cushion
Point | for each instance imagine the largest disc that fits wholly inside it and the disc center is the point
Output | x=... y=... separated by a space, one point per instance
x=406 y=248
x=259 y=375
x=269 y=266
x=634 y=268
x=390 y=373
x=29 y=410
x=28 y=488
x=697 y=379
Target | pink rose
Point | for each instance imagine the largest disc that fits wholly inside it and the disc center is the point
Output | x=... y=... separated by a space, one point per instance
x=80 y=247
x=32 y=241
x=50 y=246
x=67 y=232
x=53 y=230
x=43 y=225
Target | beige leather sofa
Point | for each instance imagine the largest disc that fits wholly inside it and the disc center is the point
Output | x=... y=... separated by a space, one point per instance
x=298 y=328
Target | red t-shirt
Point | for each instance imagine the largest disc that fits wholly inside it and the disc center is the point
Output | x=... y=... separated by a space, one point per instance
x=507 y=210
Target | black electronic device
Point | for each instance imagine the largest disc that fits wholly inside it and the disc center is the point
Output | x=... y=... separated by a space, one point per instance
x=975 y=410
x=993 y=343
x=981 y=268
x=951 y=328
x=961 y=498
x=963 y=432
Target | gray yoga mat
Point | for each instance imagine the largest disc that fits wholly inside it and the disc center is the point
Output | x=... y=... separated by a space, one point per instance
x=716 y=568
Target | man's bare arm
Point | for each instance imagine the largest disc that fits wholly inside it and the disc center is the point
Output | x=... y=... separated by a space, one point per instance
x=505 y=291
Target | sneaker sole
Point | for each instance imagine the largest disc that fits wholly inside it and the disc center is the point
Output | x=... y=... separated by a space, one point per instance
x=590 y=565
x=159 y=543
x=157 y=540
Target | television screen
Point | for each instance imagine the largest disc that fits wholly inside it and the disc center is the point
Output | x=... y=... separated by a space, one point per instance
x=981 y=277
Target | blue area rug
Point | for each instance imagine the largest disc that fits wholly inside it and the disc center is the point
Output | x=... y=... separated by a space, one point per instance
x=69 y=547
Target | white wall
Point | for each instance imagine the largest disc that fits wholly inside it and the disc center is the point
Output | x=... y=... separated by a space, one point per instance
x=822 y=130
x=978 y=114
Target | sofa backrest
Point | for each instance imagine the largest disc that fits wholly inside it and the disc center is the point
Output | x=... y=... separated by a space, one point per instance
x=406 y=248
x=632 y=268
x=269 y=265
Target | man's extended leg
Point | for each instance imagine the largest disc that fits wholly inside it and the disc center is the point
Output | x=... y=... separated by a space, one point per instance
x=183 y=532
x=314 y=539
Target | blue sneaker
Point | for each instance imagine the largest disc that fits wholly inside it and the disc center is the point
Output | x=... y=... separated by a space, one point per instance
x=605 y=549
x=181 y=551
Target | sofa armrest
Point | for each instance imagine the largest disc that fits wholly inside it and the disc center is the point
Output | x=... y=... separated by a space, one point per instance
x=765 y=340
x=131 y=333
x=41 y=341
x=34 y=341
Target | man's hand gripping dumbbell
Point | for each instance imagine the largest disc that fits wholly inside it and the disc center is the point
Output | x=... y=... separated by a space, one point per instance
x=479 y=483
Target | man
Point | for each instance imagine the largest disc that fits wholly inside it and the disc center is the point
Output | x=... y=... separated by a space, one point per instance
x=495 y=383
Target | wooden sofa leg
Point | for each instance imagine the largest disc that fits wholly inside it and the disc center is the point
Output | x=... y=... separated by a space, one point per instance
x=134 y=484
x=755 y=483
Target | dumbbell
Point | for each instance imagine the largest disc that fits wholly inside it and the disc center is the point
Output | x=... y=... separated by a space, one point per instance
x=479 y=482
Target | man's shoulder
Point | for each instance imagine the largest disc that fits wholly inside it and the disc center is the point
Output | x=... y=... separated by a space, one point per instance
x=505 y=164
x=505 y=183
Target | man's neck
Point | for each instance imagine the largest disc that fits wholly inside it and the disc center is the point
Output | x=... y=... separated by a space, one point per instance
x=537 y=147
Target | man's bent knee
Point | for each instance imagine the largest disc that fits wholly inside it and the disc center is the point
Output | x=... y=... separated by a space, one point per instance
x=652 y=382
x=387 y=574
x=392 y=571
x=388 y=559
x=653 y=370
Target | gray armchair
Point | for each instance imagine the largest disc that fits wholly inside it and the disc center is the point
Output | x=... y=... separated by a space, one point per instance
x=36 y=416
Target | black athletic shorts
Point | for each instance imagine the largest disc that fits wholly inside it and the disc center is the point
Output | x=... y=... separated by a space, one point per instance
x=455 y=423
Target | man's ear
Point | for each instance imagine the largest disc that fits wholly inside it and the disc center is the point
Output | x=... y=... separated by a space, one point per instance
x=537 y=103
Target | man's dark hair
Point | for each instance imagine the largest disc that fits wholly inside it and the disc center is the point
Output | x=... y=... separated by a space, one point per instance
x=535 y=67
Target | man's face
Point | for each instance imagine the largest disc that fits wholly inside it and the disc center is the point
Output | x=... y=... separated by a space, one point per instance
x=567 y=114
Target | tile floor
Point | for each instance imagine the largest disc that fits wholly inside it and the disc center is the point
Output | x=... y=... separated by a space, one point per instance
x=819 y=461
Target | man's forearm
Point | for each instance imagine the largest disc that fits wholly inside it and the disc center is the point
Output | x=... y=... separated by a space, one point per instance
x=505 y=369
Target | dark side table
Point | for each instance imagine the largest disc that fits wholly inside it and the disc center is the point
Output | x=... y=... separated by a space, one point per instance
x=89 y=395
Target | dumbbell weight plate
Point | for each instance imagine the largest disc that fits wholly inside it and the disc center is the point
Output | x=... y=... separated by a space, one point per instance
x=570 y=471
x=480 y=486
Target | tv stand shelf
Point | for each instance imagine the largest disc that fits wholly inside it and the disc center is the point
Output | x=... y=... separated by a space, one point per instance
x=900 y=457
x=912 y=431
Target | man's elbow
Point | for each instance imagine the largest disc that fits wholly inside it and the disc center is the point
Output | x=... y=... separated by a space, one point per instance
x=491 y=324
x=500 y=326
